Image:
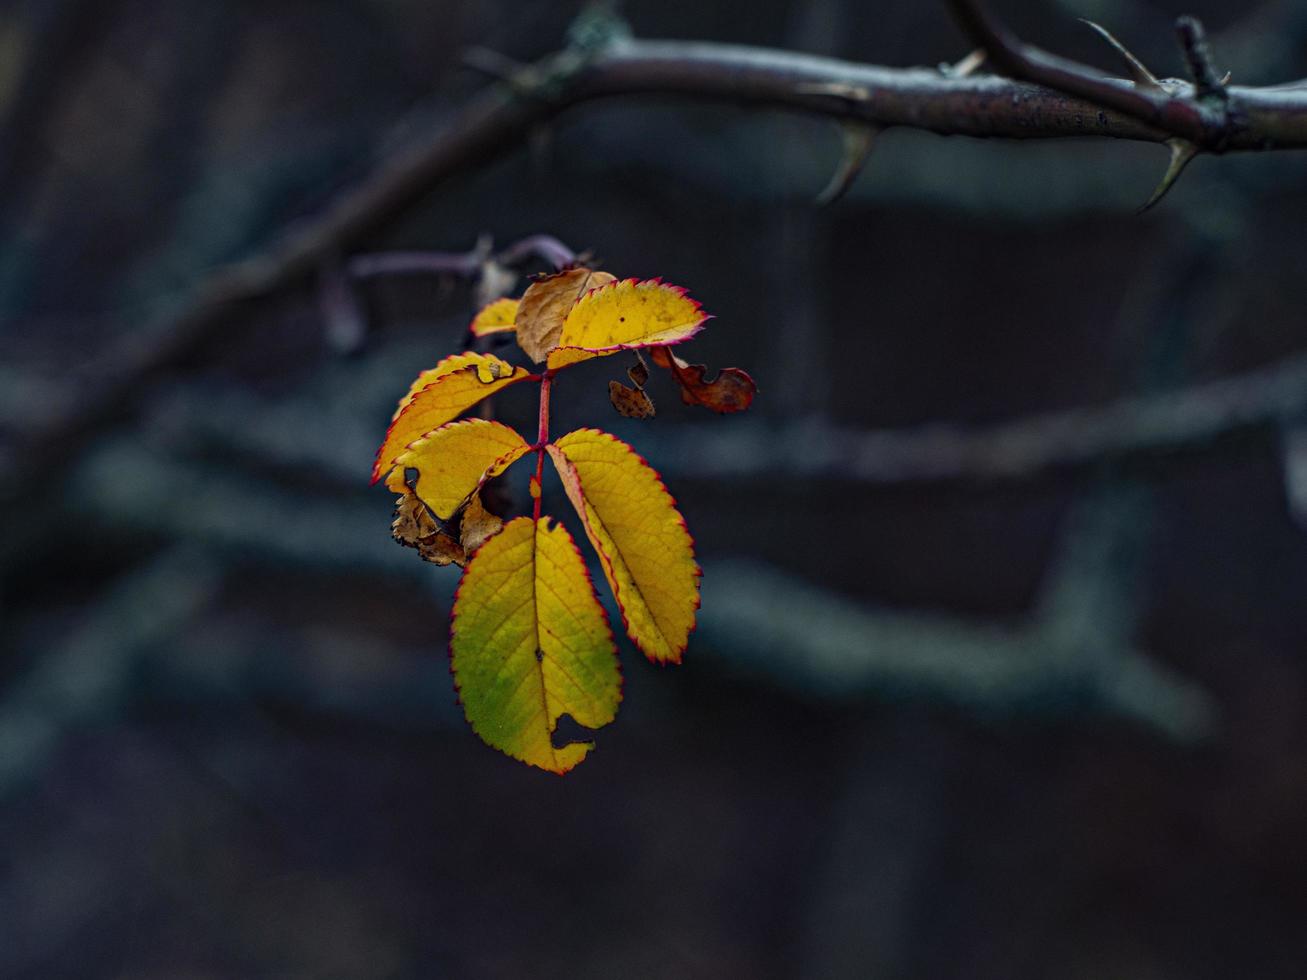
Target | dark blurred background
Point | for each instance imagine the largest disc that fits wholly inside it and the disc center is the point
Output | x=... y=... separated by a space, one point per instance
x=1037 y=726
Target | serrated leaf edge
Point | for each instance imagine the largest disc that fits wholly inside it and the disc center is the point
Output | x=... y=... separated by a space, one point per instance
x=555 y=452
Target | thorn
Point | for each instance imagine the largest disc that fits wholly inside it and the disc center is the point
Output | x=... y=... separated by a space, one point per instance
x=1182 y=151
x=1139 y=72
x=498 y=66
x=859 y=141
x=839 y=90
x=966 y=66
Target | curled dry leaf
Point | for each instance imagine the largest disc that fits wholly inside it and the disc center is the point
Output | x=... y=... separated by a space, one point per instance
x=731 y=391
x=545 y=305
x=633 y=403
x=477 y=525
x=638 y=372
x=414 y=527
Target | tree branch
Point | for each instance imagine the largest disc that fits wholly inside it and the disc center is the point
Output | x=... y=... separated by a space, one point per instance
x=500 y=119
x=1148 y=428
x=1185 y=111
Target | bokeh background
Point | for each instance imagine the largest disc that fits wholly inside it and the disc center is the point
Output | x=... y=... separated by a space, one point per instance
x=1052 y=723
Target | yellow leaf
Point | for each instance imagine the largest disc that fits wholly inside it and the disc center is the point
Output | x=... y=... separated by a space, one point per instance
x=644 y=547
x=439 y=395
x=530 y=643
x=626 y=314
x=455 y=459
x=545 y=306
x=497 y=317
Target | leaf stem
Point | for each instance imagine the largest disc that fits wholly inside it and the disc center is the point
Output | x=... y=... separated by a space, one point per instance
x=542 y=439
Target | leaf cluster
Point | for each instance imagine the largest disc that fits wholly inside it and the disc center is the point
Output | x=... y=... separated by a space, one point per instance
x=529 y=640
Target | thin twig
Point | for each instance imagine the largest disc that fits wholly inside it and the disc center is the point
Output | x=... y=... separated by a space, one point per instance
x=1197 y=55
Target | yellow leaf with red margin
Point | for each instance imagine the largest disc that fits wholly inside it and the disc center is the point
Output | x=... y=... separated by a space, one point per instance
x=496 y=317
x=440 y=395
x=624 y=315
x=530 y=643
x=646 y=552
x=455 y=459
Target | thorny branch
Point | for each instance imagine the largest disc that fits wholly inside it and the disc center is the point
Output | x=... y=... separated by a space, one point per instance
x=1067 y=101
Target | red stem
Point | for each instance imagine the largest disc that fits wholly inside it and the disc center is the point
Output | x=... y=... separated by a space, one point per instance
x=542 y=438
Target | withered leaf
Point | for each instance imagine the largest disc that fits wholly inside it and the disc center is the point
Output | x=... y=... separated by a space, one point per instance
x=638 y=372
x=414 y=527
x=545 y=305
x=731 y=391
x=633 y=403
x=478 y=524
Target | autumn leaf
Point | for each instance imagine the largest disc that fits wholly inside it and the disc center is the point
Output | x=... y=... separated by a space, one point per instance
x=439 y=395
x=633 y=403
x=496 y=317
x=643 y=545
x=545 y=305
x=454 y=460
x=477 y=525
x=625 y=315
x=731 y=391
x=530 y=643
x=414 y=527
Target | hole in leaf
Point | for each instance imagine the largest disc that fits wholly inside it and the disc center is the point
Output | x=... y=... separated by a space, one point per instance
x=570 y=730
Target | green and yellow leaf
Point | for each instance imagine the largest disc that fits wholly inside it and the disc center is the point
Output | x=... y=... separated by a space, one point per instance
x=643 y=545
x=624 y=315
x=455 y=459
x=496 y=317
x=440 y=395
x=530 y=643
x=546 y=303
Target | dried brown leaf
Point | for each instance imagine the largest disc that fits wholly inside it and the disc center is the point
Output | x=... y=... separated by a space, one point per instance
x=545 y=305
x=634 y=403
x=731 y=391
x=415 y=527
x=478 y=525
